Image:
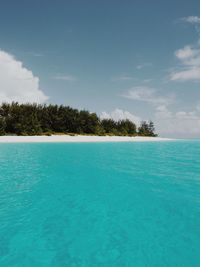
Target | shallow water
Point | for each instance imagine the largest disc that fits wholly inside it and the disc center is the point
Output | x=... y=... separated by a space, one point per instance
x=100 y=204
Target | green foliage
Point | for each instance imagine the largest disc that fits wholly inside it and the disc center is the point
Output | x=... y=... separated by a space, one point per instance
x=33 y=119
x=146 y=129
x=126 y=127
x=123 y=127
x=2 y=126
x=109 y=126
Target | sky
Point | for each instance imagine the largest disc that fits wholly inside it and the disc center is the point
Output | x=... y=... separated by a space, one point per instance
x=134 y=59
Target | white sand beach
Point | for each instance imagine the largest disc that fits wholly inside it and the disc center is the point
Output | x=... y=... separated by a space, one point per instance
x=77 y=138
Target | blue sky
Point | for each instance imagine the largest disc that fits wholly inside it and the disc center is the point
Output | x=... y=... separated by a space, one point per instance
x=121 y=59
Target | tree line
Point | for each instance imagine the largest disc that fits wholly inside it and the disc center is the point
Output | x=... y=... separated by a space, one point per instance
x=37 y=119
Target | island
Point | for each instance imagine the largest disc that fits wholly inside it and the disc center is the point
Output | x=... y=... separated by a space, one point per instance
x=36 y=120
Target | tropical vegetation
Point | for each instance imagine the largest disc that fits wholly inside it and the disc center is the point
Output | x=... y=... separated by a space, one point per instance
x=37 y=119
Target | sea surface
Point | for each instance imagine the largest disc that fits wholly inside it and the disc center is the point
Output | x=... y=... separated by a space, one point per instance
x=100 y=204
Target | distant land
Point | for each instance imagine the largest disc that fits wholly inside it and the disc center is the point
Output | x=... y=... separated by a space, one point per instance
x=37 y=119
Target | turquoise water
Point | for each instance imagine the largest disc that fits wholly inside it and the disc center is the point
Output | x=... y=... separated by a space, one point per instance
x=100 y=204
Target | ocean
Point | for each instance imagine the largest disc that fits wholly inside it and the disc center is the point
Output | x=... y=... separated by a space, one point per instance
x=100 y=204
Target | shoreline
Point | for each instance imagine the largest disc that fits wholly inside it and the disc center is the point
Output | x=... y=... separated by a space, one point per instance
x=78 y=139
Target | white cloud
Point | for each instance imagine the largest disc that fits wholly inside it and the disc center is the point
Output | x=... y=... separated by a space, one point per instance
x=69 y=78
x=119 y=114
x=189 y=55
x=178 y=123
x=18 y=83
x=147 y=94
x=192 y=19
x=192 y=74
x=189 y=58
x=163 y=112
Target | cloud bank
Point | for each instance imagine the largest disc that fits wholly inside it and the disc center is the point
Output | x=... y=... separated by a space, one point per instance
x=119 y=114
x=192 y=19
x=17 y=83
x=189 y=58
x=177 y=123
